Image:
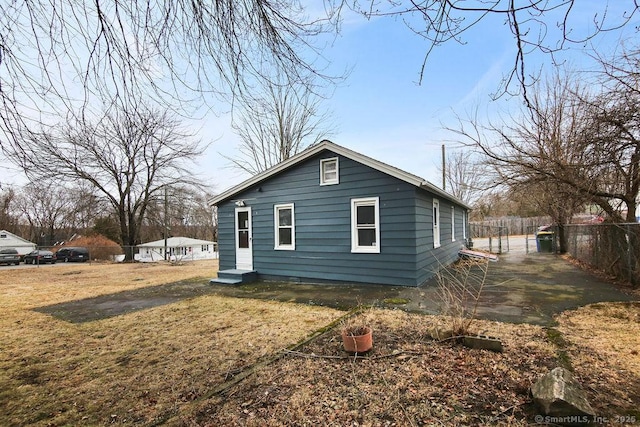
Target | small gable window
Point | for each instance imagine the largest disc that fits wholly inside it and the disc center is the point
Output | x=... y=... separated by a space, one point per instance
x=329 y=171
x=285 y=236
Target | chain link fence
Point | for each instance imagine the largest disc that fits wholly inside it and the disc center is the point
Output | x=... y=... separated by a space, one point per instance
x=611 y=248
x=492 y=238
x=515 y=225
x=127 y=254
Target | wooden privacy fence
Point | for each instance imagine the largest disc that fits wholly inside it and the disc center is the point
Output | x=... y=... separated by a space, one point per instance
x=611 y=248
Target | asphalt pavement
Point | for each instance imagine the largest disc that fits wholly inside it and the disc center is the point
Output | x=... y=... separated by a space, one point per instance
x=523 y=286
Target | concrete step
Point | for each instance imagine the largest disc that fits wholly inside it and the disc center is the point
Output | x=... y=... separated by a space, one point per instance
x=234 y=277
x=226 y=281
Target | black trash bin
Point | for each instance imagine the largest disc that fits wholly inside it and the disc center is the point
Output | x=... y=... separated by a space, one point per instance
x=544 y=241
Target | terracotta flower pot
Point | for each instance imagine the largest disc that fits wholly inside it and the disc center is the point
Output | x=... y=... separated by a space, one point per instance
x=357 y=339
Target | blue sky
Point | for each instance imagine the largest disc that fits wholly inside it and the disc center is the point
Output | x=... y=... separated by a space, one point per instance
x=382 y=112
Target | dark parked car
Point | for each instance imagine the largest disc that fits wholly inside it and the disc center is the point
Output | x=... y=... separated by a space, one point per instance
x=72 y=254
x=9 y=256
x=40 y=257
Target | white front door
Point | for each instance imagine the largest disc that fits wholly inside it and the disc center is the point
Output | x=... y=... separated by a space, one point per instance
x=244 y=251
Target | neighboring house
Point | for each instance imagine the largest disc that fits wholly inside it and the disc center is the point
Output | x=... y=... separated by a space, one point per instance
x=178 y=249
x=331 y=214
x=10 y=240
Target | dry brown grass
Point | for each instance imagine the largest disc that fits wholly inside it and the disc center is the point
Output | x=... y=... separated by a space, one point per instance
x=44 y=285
x=604 y=347
x=132 y=368
x=162 y=364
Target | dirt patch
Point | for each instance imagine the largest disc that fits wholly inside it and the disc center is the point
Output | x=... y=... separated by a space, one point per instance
x=116 y=304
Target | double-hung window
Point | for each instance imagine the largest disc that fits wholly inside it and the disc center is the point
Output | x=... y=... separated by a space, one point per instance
x=453 y=223
x=464 y=224
x=329 y=171
x=436 y=223
x=284 y=220
x=365 y=225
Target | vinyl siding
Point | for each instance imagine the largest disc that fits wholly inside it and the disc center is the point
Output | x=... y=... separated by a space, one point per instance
x=430 y=260
x=323 y=227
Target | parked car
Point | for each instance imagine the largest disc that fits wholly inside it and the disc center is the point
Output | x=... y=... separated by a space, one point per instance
x=67 y=254
x=40 y=257
x=9 y=256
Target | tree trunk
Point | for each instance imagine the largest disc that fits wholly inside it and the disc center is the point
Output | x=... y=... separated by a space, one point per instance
x=562 y=240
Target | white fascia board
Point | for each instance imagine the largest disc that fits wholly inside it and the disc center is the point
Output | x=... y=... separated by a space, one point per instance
x=267 y=174
x=338 y=149
x=432 y=188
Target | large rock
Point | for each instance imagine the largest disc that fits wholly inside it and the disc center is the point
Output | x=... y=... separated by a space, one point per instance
x=558 y=394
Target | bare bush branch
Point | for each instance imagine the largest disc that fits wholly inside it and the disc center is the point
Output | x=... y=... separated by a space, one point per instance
x=460 y=287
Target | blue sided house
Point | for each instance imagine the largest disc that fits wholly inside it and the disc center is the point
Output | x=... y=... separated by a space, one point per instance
x=331 y=214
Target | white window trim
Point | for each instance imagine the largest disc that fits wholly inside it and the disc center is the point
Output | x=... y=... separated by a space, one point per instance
x=276 y=236
x=332 y=181
x=367 y=201
x=453 y=223
x=436 y=223
x=464 y=224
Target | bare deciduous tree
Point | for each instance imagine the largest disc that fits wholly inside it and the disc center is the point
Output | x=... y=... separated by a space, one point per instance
x=60 y=57
x=542 y=149
x=8 y=214
x=87 y=206
x=127 y=156
x=46 y=207
x=464 y=176
x=555 y=199
x=187 y=214
x=613 y=132
x=276 y=124
x=580 y=147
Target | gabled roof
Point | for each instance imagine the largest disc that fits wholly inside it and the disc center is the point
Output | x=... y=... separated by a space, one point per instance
x=176 y=242
x=10 y=239
x=338 y=149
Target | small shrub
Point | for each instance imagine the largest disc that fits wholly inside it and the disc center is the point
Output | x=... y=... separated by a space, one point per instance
x=100 y=248
x=460 y=286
